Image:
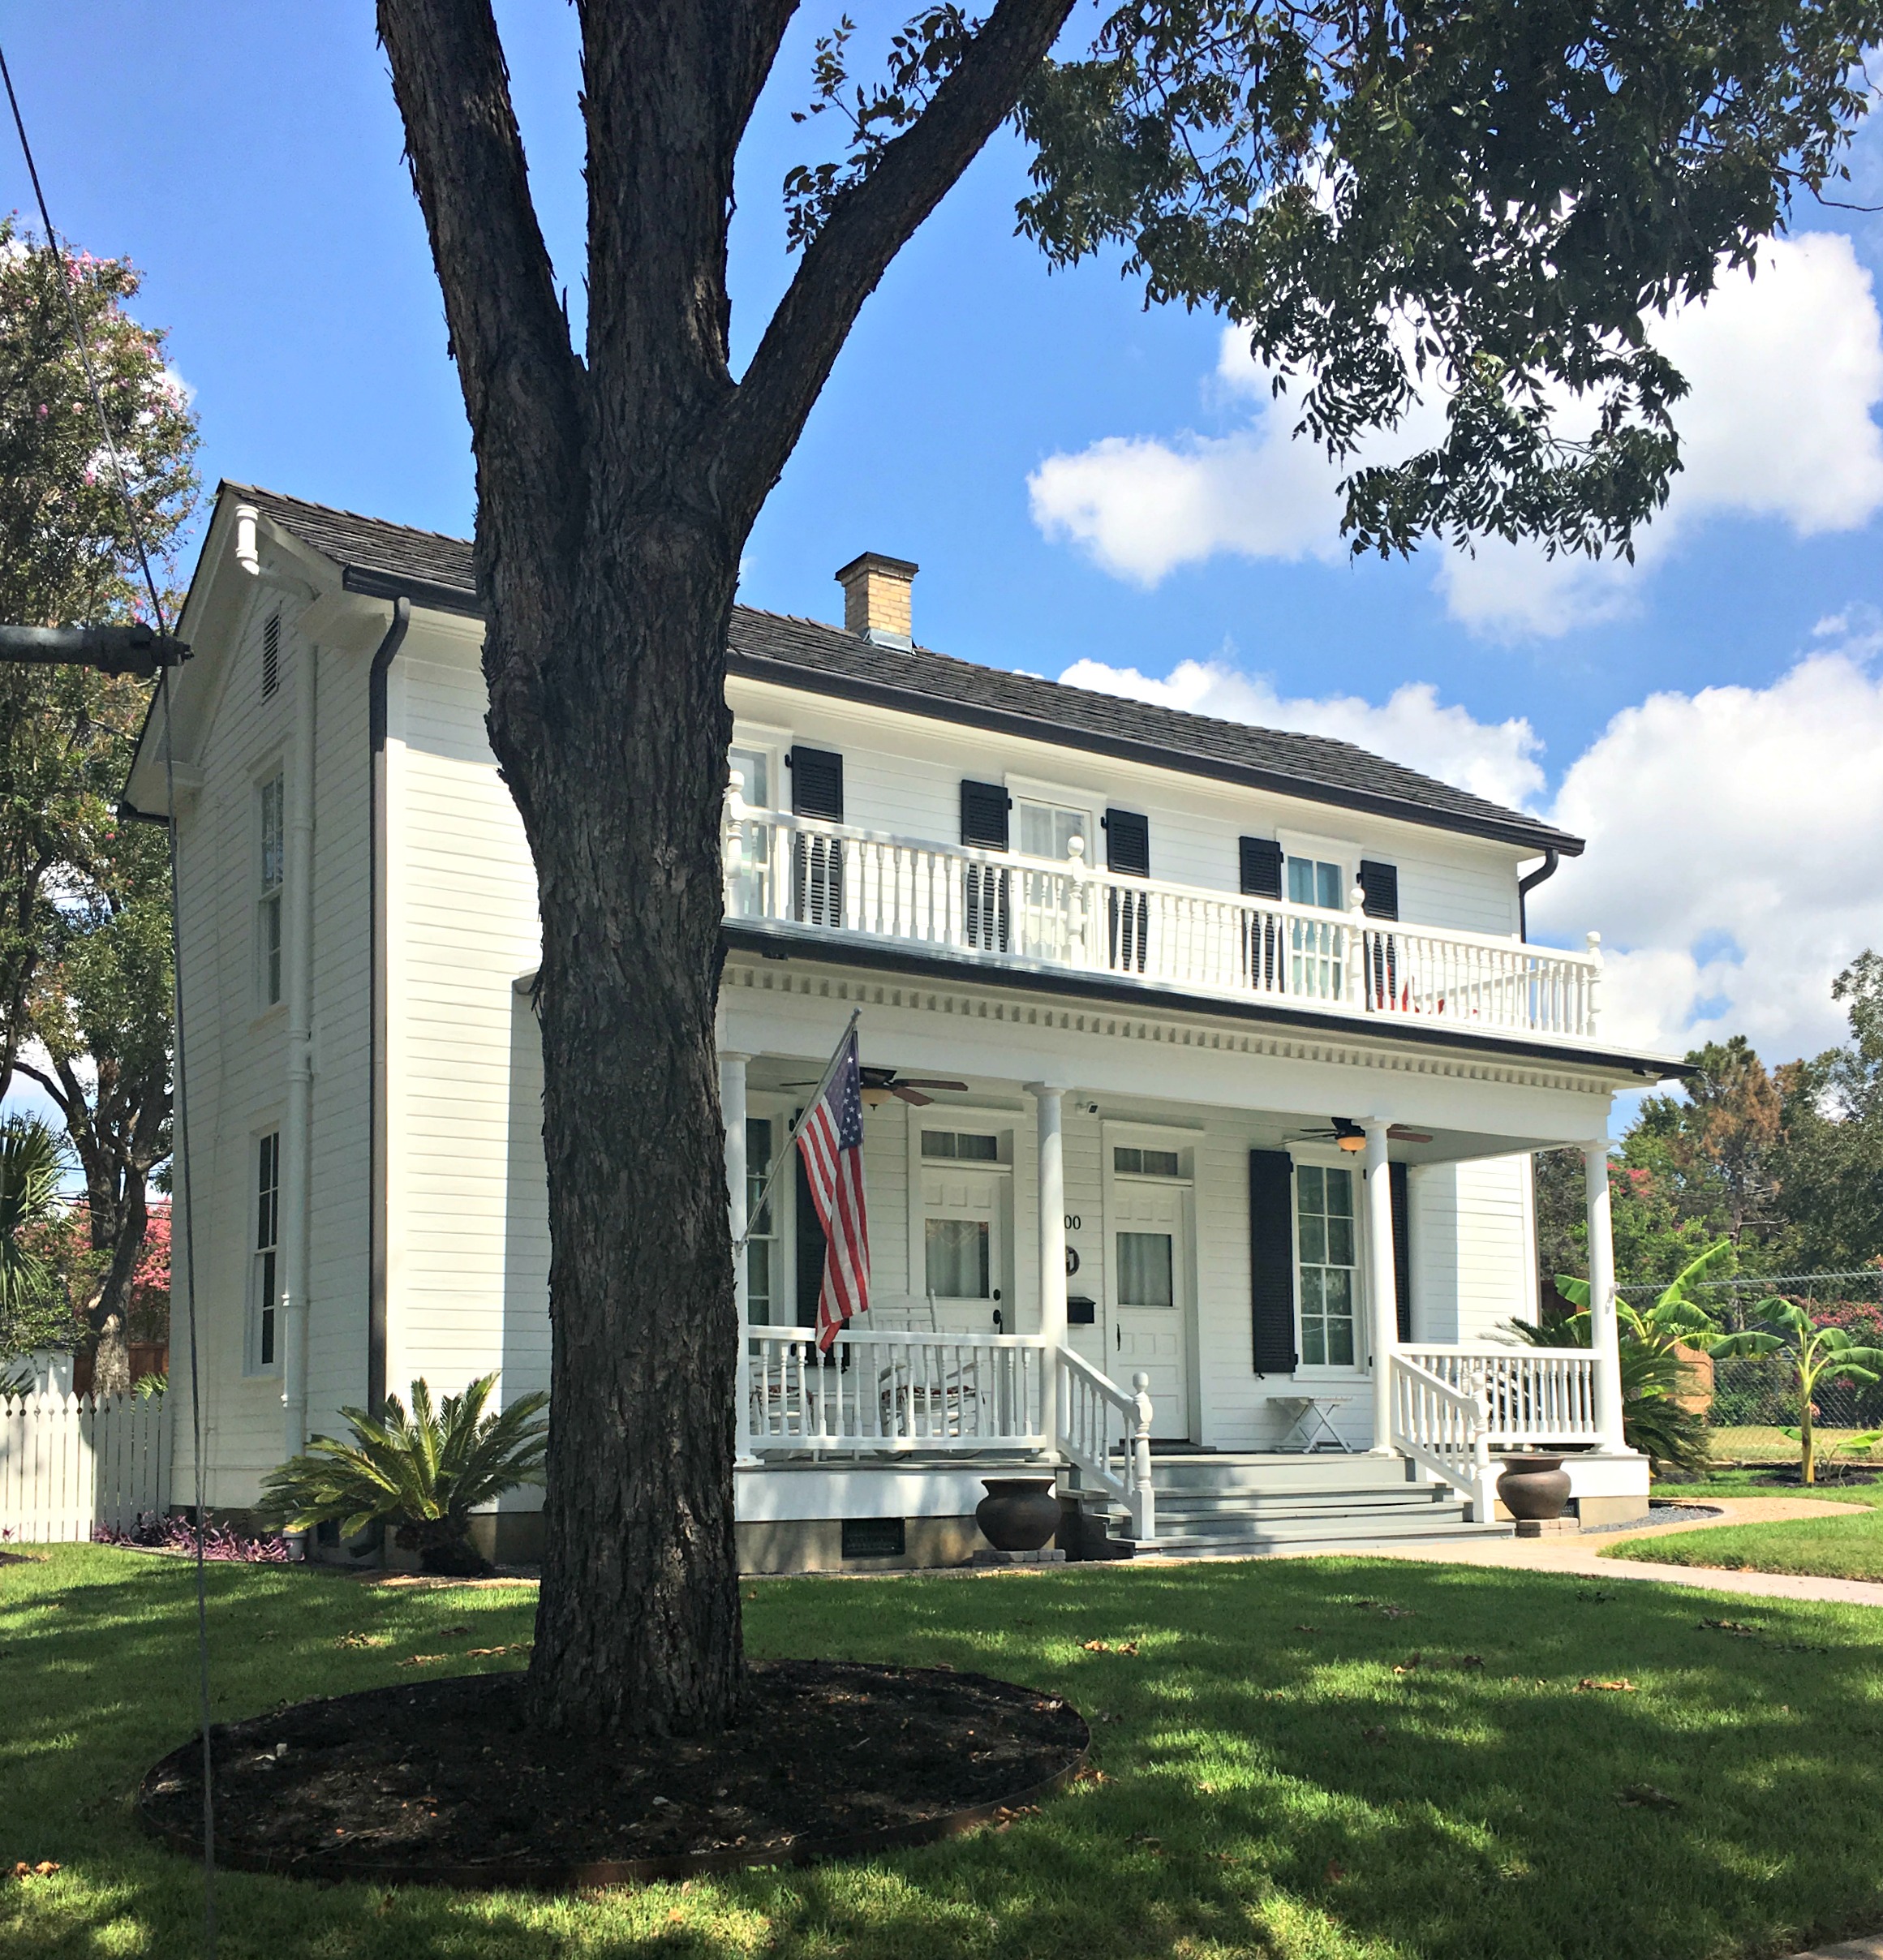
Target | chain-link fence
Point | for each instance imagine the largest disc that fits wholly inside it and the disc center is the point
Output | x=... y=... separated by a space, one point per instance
x=1752 y=1401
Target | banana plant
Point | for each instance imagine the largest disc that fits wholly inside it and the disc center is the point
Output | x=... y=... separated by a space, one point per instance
x=1675 y=1319
x=1813 y=1354
x=422 y=1474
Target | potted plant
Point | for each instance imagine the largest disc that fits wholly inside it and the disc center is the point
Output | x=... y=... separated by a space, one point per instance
x=423 y=1475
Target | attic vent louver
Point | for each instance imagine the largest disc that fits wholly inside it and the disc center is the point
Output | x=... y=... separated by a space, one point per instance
x=271 y=655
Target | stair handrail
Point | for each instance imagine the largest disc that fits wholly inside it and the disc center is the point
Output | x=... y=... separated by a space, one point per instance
x=1087 y=1399
x=1446 y=1430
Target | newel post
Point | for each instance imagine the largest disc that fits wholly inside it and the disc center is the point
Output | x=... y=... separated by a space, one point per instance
x=1078 y=903
x=1143 y=1500
x=1485 y=1504
x=1050 y=1099
x=1604 y=1338
x=1593 y=941
x=732 y=1102
x=1356 y=997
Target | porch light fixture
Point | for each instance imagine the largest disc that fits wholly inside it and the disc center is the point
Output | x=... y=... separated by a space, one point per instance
x=1348 y=1134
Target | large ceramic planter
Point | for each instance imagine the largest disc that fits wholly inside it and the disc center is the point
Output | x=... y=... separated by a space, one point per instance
x=1019 y=1514
x=1534 y=1489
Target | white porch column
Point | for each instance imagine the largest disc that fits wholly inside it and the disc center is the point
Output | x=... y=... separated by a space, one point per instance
x=1603 y=1335
x=732 y=1102
x=1382 y=1292
x=1050 y=1098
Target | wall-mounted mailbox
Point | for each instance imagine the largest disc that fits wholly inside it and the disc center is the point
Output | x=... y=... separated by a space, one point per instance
x=1081 y=1312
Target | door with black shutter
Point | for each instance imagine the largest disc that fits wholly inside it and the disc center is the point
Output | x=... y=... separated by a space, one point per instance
x=987 y=909
x=817 y=861
x=1260 y=864
x=1379 y=888
x=1271 y=1261
x=1128 y=853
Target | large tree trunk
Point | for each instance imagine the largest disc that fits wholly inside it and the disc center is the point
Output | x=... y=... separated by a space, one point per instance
x=119 y=1230
x=619 y=784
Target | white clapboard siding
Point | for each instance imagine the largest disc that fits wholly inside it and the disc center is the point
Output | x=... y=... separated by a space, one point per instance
x=68 y=1464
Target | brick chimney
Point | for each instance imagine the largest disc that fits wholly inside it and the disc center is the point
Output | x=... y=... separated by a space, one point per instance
x=876 y=599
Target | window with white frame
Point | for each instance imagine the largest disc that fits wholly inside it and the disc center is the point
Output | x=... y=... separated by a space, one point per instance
x=271 y=868
x=756 y=767
x=264 y=1281
x=1324 y=1244
x=1047 y=830
x=761 y=1225
x=1314 y=881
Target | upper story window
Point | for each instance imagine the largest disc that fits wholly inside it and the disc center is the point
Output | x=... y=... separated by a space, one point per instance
x=753 y=766
x=1313 y=881
x=1047 y=830
x=271 y=865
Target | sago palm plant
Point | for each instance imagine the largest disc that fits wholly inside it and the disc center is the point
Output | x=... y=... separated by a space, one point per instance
x=422 y=1474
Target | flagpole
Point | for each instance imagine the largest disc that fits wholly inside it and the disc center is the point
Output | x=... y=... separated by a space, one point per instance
x=756 y=1210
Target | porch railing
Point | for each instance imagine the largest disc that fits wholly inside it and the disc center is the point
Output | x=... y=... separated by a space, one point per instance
x=1532 y=1396
x=1105 y=1433
x=865 y=884
x=886 y=1390
x=1445 y=1429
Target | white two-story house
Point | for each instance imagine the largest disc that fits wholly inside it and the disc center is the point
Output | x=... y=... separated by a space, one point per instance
x=1204 y=1064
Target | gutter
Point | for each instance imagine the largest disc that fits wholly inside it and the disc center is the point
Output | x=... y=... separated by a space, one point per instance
x=1526 y=886
x=377 y=1220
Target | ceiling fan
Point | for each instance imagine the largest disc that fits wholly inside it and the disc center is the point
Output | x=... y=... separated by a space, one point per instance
x=1349 y=1135
x=880 y=1085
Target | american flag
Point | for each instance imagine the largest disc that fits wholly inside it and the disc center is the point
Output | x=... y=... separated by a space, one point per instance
x=830 y=1141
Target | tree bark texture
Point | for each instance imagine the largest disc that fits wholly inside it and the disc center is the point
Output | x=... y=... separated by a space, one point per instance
x=614 y=497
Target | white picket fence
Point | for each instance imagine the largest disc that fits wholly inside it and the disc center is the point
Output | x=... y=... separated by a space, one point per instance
x=67 y=1463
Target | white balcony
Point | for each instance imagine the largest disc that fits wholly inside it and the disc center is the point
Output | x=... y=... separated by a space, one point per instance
x=863 y=885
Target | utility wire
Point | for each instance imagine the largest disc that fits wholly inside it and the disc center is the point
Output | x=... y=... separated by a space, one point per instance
x=180 y=1115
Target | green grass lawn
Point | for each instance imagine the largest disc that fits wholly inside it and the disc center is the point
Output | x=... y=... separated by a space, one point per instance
x=1271 y=1783
x=1826 y=1548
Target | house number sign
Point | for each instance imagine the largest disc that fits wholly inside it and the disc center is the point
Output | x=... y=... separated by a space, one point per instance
x=1071 y=1221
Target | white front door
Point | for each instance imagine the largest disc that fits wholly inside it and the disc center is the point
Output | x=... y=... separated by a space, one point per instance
x=1150 y=1291
x=963 y=1249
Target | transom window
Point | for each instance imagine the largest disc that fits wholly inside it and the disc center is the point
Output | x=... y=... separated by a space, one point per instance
x=965 y=1145
x=1131 y=1162
x=267 y=1276
x=271 y=865
x=1047 y=830
x=1312 y=881
x=1324 y=1227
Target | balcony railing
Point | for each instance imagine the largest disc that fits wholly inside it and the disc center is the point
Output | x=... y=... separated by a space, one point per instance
x=862 y=884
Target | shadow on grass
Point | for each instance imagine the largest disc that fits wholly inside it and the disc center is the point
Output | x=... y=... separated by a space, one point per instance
x=1301 y=1760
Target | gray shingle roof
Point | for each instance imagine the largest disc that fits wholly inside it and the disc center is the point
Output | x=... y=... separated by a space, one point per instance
x=379 y=557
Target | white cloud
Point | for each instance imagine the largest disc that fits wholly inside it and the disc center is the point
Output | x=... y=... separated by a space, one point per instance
x=1786 y=368
x=1735 y=855
x=1735 y=836
x=1498 y=760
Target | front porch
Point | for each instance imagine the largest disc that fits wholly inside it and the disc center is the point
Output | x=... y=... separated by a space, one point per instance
x=1066 y=1278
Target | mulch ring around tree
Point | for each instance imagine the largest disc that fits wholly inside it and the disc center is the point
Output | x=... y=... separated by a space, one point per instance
x=448 y=1783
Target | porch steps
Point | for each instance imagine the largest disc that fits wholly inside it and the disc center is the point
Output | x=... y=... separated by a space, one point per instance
x=1236 y=1506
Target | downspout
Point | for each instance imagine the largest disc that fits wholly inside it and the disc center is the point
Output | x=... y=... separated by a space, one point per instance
x=298 y=878
x=1526 y=886
x=376 y=1217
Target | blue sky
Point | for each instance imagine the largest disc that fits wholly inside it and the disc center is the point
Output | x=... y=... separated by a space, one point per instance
x=1005 y=428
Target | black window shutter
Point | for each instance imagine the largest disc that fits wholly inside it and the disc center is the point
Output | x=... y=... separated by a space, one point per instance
x=984 y=816
x=1379 y=885
x=1402 y=1248
x=810 y=1248
x=1261 y=867
x=1271 y=1260
x=1128 y=843
x=816 y=784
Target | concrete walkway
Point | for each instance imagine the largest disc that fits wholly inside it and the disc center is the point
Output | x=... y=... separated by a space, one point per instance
x=1581 y=1556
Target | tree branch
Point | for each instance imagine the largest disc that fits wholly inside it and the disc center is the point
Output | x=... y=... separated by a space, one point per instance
x=523 y=387
x=869 y=224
